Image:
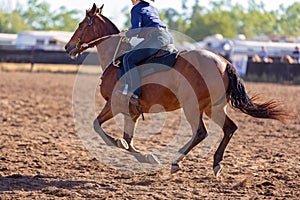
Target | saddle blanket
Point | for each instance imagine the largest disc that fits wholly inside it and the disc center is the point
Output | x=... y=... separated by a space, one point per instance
x=158 y=63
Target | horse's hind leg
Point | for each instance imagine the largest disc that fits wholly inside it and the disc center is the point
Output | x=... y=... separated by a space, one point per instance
x=228 y=126
x=199 y=134
x=105 y=115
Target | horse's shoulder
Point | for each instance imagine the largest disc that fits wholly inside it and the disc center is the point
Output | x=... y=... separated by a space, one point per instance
x=109 y=69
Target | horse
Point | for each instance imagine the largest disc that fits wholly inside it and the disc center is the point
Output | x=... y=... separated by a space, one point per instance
x=201 y=82
x=256 y=58
x=288 y=59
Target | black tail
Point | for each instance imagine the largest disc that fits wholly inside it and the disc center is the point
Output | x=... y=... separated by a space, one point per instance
x=240 y=100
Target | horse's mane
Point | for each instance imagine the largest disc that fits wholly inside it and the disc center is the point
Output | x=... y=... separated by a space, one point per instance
x=108 y=20
x=117 y=31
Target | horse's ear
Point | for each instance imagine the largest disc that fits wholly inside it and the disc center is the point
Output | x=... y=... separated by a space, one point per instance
x=94 y=9
x=100 y=9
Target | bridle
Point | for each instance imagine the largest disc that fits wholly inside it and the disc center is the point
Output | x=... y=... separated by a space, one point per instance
x=92 y=43
x=79 y=46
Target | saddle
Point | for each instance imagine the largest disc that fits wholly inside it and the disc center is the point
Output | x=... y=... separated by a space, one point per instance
x=163 y=60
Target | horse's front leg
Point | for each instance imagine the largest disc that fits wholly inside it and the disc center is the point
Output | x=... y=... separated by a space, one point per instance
x=130 y=124
x=105 y=115
x=129 y=129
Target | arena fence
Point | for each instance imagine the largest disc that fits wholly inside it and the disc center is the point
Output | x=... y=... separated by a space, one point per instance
x=48 y=57
x=273 y=72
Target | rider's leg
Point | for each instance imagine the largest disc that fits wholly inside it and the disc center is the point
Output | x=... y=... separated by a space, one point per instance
x=148 y=47
x=132 y=74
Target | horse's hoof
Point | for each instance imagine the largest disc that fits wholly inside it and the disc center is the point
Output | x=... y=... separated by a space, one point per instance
x=152 y=159
x=121 y=143
x=217 y=170
x=175 y=168
x=140 y=157
x=132 y=149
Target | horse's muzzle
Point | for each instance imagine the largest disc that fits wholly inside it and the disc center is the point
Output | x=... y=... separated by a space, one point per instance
x=72 y=51
x=69 y=48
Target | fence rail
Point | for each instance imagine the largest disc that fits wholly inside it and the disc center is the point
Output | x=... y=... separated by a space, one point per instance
x=273 y=72
x=49 y=57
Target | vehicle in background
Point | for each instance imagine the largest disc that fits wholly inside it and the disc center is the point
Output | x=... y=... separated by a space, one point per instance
x=43 y=40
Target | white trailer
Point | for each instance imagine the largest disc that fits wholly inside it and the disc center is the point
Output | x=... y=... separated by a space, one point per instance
x=44 y=40
x=7 y=39
x=274 y=49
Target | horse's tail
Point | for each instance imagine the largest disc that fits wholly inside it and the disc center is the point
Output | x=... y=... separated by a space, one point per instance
x=240 y=100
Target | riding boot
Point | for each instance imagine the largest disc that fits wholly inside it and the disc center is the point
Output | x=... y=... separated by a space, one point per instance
x=135 y=107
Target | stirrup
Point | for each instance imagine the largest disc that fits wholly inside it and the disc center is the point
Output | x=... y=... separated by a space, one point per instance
x=134 y=100
x=135 y=106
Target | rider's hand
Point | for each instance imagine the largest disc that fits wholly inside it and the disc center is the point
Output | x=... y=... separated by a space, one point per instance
x=122 y=33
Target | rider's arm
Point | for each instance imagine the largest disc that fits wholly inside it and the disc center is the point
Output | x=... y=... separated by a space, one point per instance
x=136 y=23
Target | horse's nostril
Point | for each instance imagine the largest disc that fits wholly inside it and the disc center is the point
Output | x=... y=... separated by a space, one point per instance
x=66 y=47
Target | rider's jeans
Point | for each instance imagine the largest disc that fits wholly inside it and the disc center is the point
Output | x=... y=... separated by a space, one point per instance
x=148 y=47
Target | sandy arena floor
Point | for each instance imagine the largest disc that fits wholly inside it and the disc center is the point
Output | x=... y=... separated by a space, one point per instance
x=42 y=157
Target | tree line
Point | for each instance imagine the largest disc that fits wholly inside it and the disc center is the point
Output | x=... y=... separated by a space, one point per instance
x=37 y=16
x=232 y=19
x=196 y=21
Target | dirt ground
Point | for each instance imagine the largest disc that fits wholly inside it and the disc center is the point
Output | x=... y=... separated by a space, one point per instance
x=42 y=156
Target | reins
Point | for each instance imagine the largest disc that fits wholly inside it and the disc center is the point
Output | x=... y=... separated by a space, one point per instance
x=116 y=64
x=91 y=43
x=86 y=45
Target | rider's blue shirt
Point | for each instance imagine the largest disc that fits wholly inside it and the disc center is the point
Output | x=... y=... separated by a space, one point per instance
x=143 y=15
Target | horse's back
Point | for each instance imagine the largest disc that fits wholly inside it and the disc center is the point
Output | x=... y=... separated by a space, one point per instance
x=209 y=71
x=205 y=61
x=209 y=65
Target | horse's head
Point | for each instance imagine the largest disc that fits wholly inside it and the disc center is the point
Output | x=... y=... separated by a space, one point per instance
x=93 y=26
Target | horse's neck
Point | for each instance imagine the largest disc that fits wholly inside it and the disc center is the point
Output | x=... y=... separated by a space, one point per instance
x=105 y=57
x=106 y=51
x=111 y=49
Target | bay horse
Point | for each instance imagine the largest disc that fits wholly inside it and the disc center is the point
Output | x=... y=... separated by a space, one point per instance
x=288 y=59
x=256 y=58
x=201 y=82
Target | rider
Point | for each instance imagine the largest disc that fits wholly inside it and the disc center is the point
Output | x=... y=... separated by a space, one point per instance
x=146 y=24
x=296 y=54
x=263 y=54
